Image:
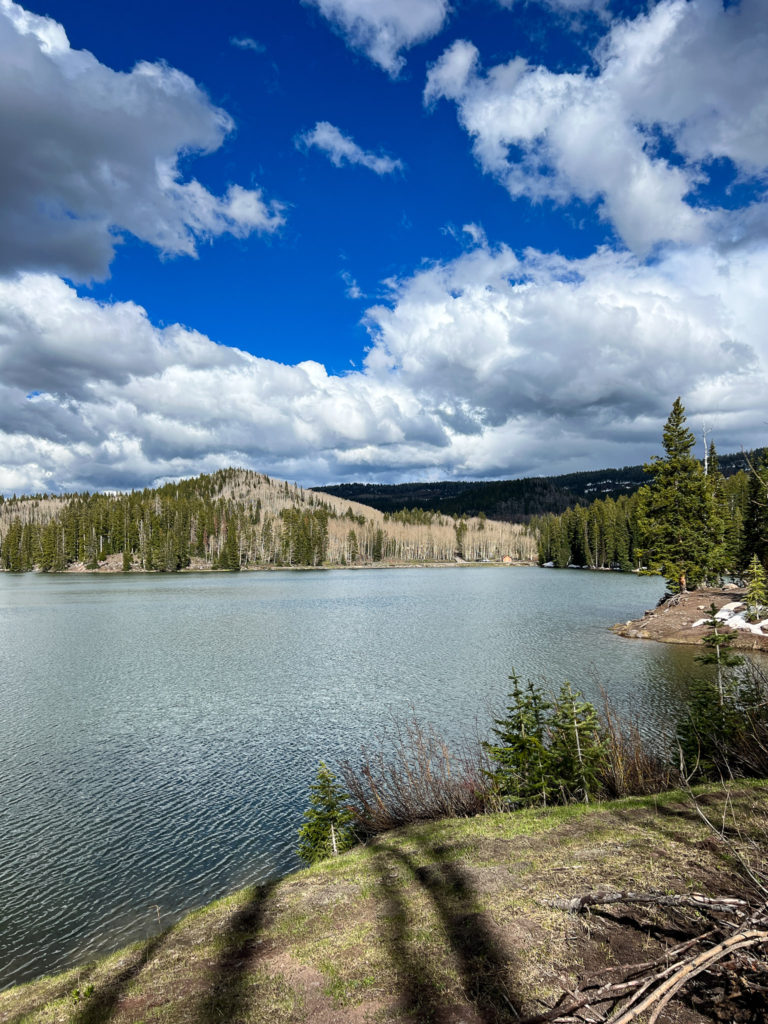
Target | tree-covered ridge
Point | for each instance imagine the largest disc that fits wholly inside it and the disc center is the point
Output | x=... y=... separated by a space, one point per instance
x=515 y=500
x=233 y=519
x=691 y=522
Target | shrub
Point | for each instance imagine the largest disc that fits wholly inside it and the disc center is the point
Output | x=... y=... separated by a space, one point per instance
x=630 y=767
x=724 y=731
x=414 y=777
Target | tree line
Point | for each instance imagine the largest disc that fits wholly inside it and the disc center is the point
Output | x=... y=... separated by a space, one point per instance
x=231 y=520
x=690 y=523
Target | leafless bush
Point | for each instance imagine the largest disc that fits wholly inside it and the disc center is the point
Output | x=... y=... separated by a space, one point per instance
x=747 y=750
x=416 y=777
x=631 y=767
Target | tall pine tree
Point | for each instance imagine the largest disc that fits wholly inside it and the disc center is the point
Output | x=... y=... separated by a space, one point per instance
x=756 y=516
x=677 y=510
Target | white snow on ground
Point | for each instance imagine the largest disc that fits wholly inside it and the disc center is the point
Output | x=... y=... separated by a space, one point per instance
x=735 y=619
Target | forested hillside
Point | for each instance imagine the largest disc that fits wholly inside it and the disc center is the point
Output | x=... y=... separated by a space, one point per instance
x=235 y=519
x=515 y=500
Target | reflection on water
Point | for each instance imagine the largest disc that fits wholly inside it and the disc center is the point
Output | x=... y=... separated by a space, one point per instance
x=158 y=735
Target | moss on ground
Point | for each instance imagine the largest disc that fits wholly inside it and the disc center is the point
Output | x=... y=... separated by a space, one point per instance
x=445 y=922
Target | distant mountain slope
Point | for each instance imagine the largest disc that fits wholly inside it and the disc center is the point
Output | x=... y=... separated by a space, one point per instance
x=235 y=519
x=513 y=500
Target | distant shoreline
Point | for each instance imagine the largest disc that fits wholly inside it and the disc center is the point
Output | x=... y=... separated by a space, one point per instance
x=78 y=569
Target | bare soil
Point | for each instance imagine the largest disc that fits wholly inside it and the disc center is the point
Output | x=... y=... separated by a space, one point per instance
x=672 y=622
x=447 y=922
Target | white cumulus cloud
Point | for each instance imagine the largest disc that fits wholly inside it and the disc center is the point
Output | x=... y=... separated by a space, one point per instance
x=340 y=148
x=88 y=152
x=493 y=364
x=672 y=90
x=382 y=28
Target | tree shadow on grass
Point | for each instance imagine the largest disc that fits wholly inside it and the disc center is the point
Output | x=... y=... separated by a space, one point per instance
x=483 y=963
x=420 y=992
x=226 y=993
x=101 y=1004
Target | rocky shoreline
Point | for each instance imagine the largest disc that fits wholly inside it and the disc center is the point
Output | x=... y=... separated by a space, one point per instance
x=682 y=619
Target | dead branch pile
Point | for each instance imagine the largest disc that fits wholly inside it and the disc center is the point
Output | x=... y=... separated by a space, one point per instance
x=720 y=971
x=729 y=959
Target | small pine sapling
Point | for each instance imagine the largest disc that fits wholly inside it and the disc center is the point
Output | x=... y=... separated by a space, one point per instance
x=577 y=748
x=522 y=771
x=327 y=829
x=756 y=597
x=718 y=643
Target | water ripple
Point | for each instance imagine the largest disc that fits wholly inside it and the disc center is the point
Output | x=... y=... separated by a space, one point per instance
x=158 y=736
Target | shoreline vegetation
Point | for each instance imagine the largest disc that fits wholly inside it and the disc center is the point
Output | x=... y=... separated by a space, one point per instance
x=113 y=565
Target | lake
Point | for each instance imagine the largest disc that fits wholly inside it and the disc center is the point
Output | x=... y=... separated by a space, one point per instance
x=158 y=734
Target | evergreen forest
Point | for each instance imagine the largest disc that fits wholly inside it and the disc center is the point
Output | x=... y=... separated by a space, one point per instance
x=235 y=519
x=689 y=522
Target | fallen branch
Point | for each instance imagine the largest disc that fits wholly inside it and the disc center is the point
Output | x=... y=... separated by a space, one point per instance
x=648 y=987
x=688 y=970
x=695 y=900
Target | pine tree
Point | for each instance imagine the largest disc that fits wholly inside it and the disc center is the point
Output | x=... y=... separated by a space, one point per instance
x=378 y=545
x=327 y=828
x=676 y=512
x=522 y=774
x=718 y=642
x=756 y=514
x=720 y=522
x=577 y=751
x=756 y=597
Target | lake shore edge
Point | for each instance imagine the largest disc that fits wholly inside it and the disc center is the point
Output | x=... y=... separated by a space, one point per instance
x=113 y=566
x=678 y=619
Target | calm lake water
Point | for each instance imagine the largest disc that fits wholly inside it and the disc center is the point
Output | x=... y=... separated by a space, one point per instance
x=158 y=734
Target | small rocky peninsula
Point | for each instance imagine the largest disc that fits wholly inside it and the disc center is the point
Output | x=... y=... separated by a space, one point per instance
x=682 y=619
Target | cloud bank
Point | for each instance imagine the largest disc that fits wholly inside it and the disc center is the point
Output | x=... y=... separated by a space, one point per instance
x=671 y=92
x=496 y=363
x=89 y=152
x=492 y=364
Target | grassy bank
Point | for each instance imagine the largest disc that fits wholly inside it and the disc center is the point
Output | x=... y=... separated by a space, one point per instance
x=444 y=922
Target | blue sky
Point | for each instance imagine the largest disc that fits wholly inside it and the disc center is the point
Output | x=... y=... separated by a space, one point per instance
x=339 y=239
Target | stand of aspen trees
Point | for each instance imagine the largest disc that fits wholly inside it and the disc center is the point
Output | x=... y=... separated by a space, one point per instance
x=237 y=519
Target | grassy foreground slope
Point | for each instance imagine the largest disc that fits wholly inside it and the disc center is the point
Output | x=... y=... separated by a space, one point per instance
x=444 y=922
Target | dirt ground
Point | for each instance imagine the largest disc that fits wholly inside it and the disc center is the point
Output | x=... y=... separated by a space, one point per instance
x=448 y=922
x=672 y=621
